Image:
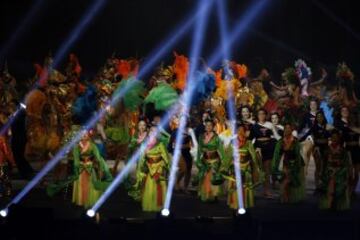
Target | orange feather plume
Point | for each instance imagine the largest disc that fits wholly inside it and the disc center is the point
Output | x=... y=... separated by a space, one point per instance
x=241 y=70
x=181 y=70
x=124 y=68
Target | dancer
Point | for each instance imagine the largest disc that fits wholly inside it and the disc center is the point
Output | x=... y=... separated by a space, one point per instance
x=335 y=175
x=351 y=136
x=186 y=161
x=210 y=155
x=249 y=166
x=288 y=164
x=265 y=136
x=7 y=163
x=154 y=166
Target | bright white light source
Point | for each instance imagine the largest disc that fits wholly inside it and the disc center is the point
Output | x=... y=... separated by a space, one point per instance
x=241 y=211
x=90 y=213
x=22 y=105
x=4 y=213
x=165 y=212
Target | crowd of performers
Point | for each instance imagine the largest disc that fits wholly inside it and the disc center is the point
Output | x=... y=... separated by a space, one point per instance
x=280 y=126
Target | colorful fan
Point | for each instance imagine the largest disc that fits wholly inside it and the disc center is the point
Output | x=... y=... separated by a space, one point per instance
x=133 y=97
x=162 y=96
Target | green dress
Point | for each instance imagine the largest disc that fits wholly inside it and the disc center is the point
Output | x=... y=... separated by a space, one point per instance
x=152 y=177
x=335 y=179
x=90 y=178
x=291 y=175
x=133 y=185
x=250 y=173
x=210 y=156
x=90 y=168
x=118 y=137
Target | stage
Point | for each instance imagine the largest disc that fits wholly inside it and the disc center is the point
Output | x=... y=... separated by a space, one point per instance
x=58 y=218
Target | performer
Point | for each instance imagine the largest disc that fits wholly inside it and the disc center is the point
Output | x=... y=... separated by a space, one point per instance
x=320 y=135
x=305 y=138
x=304 y=73
x=275 y=120
x=210 y=155
x=335 y=175
x=139 y=136
x=288 y=164
x=247 y=120
x=186 y=161
x=6 y=164
x=91 y=173
x=265 y=137
x=90 y=177
x=351 y=136
x=117 y=135
x=250 y=172
x=154 y=166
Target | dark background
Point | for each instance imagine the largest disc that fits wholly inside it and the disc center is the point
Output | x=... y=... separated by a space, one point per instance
x=286 y=30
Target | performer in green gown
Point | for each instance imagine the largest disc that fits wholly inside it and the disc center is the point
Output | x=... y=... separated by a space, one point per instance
x=153 y=168
x=250 y=172
x=210 y=156
x=90 y=176
x=288 y=166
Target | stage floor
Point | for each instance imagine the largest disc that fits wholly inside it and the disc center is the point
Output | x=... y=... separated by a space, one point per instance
x=270 y=218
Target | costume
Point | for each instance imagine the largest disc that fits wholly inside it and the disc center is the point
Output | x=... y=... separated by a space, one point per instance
x=90 y=177
x=263 y=135
x=153 y=168
x=6 y=163
x=250 y=168
x=351 y=139
x=288 y=165
x=335 y=179
x=210 y=155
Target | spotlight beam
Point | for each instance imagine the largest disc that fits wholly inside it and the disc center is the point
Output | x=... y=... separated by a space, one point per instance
x=221 y=11
x=195 y=53
x=65 y=149
x=91 y=12
x=240 y=27
x=235 y=146
x=336 y=19
x=21 y=28
x=135 y=157
x=75 y=34
x=216 y=56
x=171 y=39
x=231 y=105
x=279 y=44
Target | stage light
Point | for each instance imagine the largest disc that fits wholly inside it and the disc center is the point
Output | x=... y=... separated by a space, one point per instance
x=134 y=158
x=231 y=106
x=171 y=39
x=90 y=213
x=20 y=29
x=79 y=29
x=4 y=213
x=215 y=57
x=241 y=211
x=238 y=31
x=221 y=13
x=165 y=212
x=22 y=105
x=65 y=149
x=85 y=20
x=279 y=44
x=337 y=19
x=188 y=93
